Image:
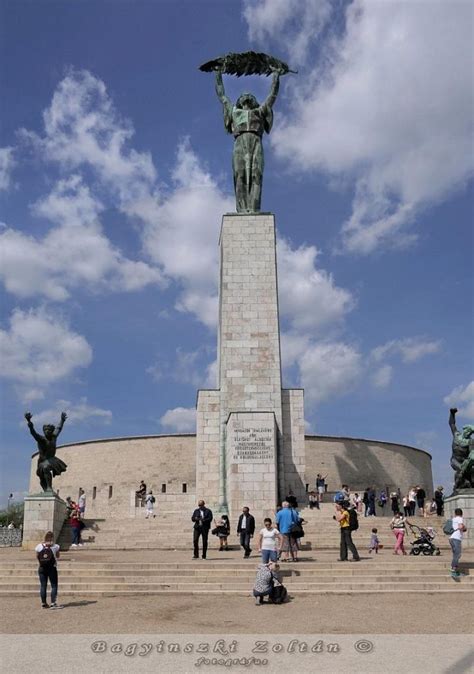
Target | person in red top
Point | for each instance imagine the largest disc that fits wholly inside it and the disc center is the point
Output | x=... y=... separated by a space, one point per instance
x=76 y=526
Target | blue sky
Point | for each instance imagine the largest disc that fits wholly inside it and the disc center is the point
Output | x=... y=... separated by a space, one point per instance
x=115 y=169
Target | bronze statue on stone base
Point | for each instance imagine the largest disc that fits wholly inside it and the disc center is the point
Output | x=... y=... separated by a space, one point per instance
x=48 y=463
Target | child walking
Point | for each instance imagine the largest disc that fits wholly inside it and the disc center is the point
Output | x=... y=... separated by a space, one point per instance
x=374 y=542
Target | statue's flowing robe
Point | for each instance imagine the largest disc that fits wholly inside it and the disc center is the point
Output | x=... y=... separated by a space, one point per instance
x=247 y=127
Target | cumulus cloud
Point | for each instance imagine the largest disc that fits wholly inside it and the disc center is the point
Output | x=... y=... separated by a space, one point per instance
x=409 y=349
x=300 y=21
x=382 y=376
x=387 y=107
x=188 y=368
x=308 y=296
x=39 y=349
x=80 y=412
x=7 y=163
x=462 y=397
x=74 y=253
x=82 y=127
x=329 y=369
x=183 y=236
x=179 y=419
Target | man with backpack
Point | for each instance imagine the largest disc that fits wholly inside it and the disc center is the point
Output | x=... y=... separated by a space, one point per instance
x=47 y=554
x=347 y=522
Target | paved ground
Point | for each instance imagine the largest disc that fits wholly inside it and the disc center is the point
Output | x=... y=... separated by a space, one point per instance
x=340 y=614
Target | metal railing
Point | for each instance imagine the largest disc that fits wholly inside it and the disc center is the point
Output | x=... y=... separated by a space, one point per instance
x=10 y=538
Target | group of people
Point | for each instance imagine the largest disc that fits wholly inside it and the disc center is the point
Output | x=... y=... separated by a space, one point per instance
x=146 y=498
x=274 y=541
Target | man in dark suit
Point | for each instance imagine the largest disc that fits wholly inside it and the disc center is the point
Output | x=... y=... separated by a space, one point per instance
x=246 y=529
x=202 y=518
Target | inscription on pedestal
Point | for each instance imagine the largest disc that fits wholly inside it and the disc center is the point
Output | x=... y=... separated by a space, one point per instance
x=253 y=445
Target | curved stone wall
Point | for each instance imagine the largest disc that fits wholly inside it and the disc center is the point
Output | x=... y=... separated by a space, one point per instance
x=363 y=463
x=110 y=470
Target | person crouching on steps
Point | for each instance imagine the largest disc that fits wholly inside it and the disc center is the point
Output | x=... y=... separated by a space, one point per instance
x=47 y=554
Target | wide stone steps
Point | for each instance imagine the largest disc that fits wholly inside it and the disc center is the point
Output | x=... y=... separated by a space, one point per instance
x=236 y=577
x=172 y=530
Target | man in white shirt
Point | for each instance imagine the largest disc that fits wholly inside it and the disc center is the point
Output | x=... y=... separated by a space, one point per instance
x=47 y=554
x=455 y=541
x=82 y=501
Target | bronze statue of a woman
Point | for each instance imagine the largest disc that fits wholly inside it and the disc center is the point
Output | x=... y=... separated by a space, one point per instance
x=247 y=121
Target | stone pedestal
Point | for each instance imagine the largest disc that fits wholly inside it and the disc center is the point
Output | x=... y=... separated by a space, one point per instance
x=43 y=512
x=464 y=500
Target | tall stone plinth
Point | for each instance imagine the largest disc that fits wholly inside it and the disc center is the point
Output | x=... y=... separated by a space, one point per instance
x=249 y=355
x=249 y=367
x=43 y=512
x=464 y=500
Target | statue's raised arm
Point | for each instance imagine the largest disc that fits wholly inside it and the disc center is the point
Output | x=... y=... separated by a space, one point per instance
x=31 y=428
x=59 y=427
x=272 y=96
x=452 y=420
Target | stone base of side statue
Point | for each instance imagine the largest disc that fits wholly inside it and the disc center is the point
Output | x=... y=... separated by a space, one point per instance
x=43 y=512
x=464 y=499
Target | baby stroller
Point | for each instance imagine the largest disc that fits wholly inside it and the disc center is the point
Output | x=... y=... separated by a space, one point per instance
x=423 y=543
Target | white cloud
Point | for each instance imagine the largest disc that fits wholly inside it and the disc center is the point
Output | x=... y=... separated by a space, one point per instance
x=328 y=370
x=7 y=163
x=74 y=253
x=187 y=368
x=39 y=349
x=388 y=106
x=180 y=419
x=308 y=296
x=462 y=397
x=409 y=349
x=299 y=21
x=82 y=127
x=182 y=236
x=382 y=376
x=77 y=413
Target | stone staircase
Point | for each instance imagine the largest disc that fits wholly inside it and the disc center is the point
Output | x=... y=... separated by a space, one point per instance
x=86 y=575
x=134 y=556
x=172 y=530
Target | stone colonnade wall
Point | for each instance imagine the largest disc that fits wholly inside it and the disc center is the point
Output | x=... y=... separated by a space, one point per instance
x=121 y=463
x=364 y=463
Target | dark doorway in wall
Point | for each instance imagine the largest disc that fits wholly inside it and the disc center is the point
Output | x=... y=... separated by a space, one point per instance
x=94 y=492
x=110 y=491
x=163 y=489
x=185 y=488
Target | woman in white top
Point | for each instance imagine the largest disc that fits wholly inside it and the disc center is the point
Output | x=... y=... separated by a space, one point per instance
x=268 y=542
